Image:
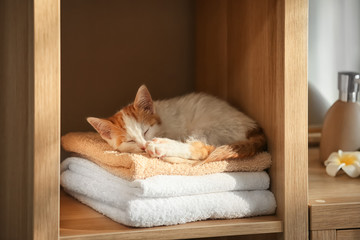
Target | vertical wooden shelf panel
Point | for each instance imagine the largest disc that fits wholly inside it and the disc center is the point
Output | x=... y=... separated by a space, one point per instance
x=46 y=118
x=295 y=164
x=16 y=119
x=266 y=77
x=30 y=90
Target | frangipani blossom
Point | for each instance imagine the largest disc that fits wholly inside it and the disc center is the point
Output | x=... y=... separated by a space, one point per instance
x=349 y=162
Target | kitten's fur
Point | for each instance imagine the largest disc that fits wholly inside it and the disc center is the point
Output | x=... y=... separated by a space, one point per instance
x=195 y=126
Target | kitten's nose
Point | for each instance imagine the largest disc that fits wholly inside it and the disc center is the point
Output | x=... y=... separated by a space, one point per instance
x=142 y=148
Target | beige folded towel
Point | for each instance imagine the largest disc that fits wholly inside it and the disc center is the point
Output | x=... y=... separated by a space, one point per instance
x=132 y=166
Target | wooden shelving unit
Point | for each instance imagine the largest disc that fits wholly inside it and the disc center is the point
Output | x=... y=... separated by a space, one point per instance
x=251 y=53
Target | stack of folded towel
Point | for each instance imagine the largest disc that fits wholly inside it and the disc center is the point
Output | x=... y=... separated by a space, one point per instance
x=143 y=192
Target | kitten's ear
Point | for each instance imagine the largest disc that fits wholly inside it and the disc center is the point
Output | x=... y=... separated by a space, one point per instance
x=143 y=100
x=102 y=126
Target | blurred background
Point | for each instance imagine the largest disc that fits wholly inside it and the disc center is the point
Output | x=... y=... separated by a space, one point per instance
x=334 y=45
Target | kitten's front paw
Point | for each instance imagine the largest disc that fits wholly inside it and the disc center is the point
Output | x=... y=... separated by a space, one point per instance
x=157 y=147
x=164 y=147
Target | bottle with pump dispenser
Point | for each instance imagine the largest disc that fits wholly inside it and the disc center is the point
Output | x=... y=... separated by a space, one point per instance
x=341 y=128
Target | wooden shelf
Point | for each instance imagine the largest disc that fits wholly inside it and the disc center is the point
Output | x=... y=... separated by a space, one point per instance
x=78 y=221
x=251 y=53
x=337 y=189
x=334 y=201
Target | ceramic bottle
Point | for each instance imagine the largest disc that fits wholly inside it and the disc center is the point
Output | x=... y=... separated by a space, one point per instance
x=341 y=128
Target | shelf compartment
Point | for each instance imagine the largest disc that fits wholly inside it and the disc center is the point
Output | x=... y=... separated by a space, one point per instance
x=252 y=53
x=78 y=221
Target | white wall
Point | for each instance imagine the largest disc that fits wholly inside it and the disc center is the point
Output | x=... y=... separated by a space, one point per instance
x=334 y=45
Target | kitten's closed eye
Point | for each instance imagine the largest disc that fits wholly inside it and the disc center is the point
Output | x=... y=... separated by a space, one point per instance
x=130 y=141
x=146 y=131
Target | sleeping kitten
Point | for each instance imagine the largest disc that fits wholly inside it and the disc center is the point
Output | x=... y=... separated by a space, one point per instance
x=196 y=126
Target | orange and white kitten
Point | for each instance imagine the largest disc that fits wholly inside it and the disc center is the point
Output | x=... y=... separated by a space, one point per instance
x=196 y=126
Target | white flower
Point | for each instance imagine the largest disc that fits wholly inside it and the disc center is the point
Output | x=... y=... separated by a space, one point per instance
x=349 y=162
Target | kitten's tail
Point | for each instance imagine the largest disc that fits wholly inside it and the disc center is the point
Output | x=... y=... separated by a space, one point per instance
x=255 y=143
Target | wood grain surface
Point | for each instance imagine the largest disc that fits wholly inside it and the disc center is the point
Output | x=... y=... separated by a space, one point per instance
x=46 y=118
x=30 y=126
x=351 y=234
x=323 y=235
x=296 y=119
x=334 y=201
x=266 y=75
x=16 y=119
x=212 y=47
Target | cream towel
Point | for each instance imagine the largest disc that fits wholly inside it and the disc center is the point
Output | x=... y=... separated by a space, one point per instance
x=136 y=166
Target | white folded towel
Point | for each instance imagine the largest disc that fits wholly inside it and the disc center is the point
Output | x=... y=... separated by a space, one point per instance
x=74 y=169
x=139 y=211
x=150 y=212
